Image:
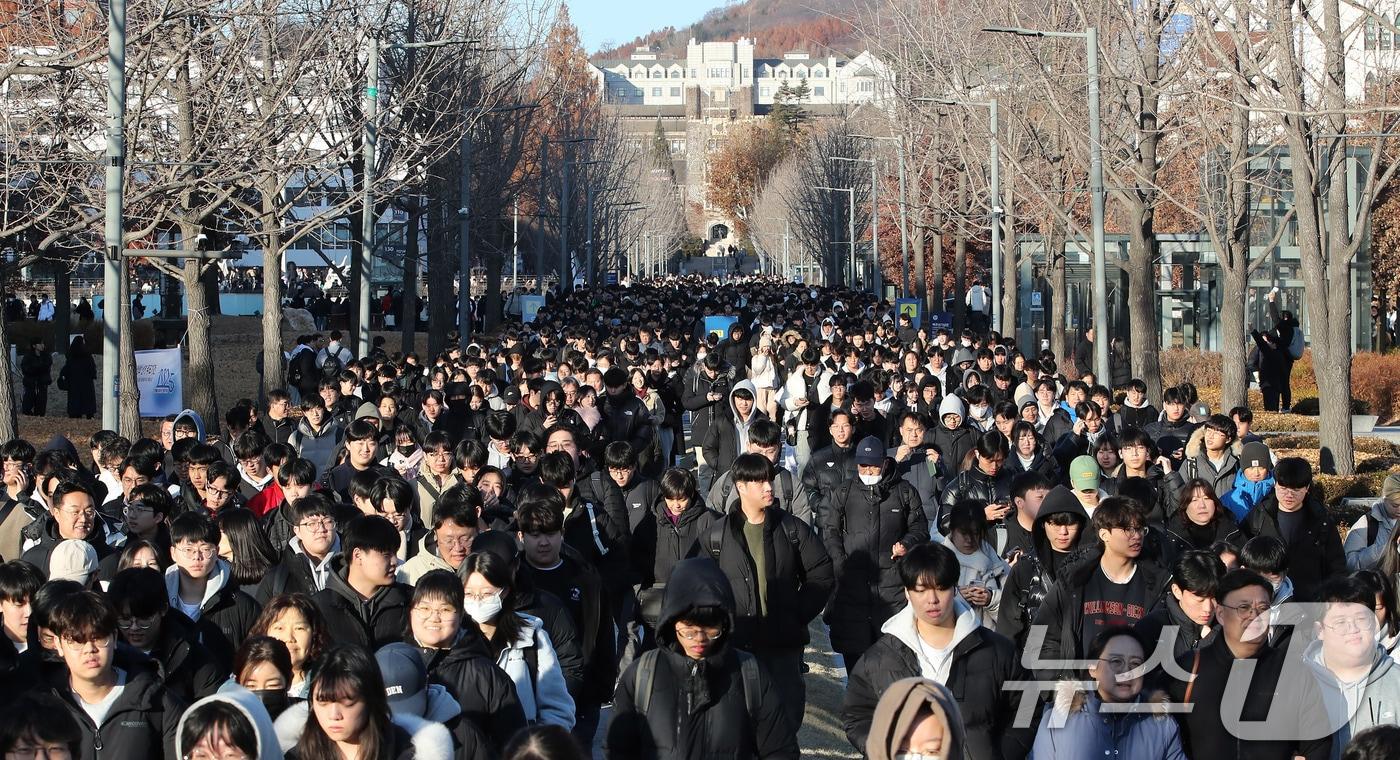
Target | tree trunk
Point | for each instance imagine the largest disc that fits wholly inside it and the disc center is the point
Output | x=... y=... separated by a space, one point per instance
x=170 y=297
x=440 y=301
x=1010 y=275
x=272 y=296
x=1143 y=344
x=491 y=299
x=1234 y=346
x=960 y=258
x=62 y=305
x=359 y=260
x=200 y=390
x=935 y=256
x=408 y=314
x=1056 y=315
x=918 y=244
x=9 y=420
x=129 y=395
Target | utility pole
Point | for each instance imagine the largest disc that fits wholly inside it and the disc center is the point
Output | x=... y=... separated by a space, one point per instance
x=787 y=258
x=367 y=219
x=515 y=246
x=877 y=277
x=566 y=279
x=113 y=267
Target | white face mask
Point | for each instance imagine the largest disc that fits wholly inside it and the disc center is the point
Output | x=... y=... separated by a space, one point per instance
x=483 y=611
x=870 y=480
x=980 y=412
x=700 y=357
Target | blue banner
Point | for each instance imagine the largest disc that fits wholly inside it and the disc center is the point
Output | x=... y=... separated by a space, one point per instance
x=719 y=324
x=529 y=307
x=911 y=306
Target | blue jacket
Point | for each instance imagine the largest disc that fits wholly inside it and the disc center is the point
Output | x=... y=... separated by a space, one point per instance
x=1246 y=494
x=1086 y=732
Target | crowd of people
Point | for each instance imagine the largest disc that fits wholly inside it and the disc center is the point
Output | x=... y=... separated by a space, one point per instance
x=612 y=527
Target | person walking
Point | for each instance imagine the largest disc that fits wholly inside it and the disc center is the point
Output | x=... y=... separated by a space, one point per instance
x=77 y=377
x=36 y=372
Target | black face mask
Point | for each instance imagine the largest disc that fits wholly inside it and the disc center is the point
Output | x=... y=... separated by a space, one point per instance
x=407 y=450
x=275 y=700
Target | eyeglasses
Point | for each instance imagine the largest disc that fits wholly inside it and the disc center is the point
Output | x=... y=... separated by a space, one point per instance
x=196 y=551
x=99 y=644
x=1121 y=664
x=456 y=542
x=443 y=613
x=70 y=512
x=1249 y=610
x=700 y=634
x=136 y=508
x=218 y=493
x=229 y=753
x=1363 y=623
x=138 y=623
x=1137 y=531
x=480 y=596
x=322 y=524
x=45 y=752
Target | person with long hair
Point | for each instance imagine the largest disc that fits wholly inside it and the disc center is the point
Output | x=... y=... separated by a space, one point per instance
x=490 y=600
x=77 y=376
x=224 y=725
x=1198 y=522
x=1387 y=616
x=244 y=546
x=294 y=620
x=348 y=717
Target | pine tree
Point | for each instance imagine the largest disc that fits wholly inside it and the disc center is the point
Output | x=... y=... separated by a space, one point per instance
x=660 y=147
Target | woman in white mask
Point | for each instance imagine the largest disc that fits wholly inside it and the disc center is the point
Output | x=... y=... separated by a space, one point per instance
x=518 y=641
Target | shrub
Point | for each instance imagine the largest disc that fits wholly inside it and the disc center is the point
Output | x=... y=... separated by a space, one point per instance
x=1375 y=380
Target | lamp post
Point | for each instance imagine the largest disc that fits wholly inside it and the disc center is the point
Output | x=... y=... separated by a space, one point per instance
x=850 y=222
x=903 y=210
x=878 y=277
x=113 y=268
x=995 y=170
x=1096 y=189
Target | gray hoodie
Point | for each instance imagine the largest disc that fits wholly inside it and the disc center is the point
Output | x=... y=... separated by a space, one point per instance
x=1353 y=707
x=247 y=703
x=741 y=427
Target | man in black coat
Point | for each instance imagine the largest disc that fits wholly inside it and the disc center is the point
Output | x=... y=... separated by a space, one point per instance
x=201 y=586
x=1294 y=516
x=1084 y=354
x=146 y=623
x=696 y=694
x=624 y=417
x=36 y=372
x=936 y=636
x=781 y=575
x=362 y=602
x=705 y=393
x=873 y=520
x=830 y=466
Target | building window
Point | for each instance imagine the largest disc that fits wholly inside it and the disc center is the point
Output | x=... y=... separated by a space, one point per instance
x=743 y=72
x=819 y=91
x=764 y=92
x=675 y=92
x=677 y=147
x=719 y=72
x=1371 y=33
x=1384 y=37
x=656 y=92
x=865 y=85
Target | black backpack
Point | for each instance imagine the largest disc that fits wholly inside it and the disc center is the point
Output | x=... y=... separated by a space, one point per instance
x=645 y=674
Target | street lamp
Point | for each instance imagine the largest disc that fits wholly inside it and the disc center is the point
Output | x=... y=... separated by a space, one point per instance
x=850 y=222
x=991 y=105
x=1090 y=35
x=878 y=278
x=903 y=209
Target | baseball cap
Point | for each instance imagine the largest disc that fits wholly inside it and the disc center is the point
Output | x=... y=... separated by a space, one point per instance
x=511 y=395
x=72 y=560
x=405 y=678
x=1084 y=473
x=869 y=451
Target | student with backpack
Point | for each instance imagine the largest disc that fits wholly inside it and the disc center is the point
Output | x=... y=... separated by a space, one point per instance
x=780 y=573
x=739 y=713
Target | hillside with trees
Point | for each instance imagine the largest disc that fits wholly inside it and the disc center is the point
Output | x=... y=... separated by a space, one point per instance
x=778 y=26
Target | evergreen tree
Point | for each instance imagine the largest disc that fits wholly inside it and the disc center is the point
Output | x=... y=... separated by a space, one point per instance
x=660 y=147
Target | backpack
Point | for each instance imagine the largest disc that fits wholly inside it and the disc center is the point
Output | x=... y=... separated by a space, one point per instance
x=716 y=537
x=294 y=377
x=645 y=675
x=908 y=501
x=1296 y=345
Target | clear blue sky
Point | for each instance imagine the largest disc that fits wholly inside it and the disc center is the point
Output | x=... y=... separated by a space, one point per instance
x=618 y=21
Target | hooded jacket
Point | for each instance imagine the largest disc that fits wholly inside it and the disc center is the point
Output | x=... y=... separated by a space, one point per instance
x=543 y=694
x=901 y=706
x=952 y=443
x=318 y=447
x=698 y=708
x=1378 y=522
x=974 y=666
x=226 y=614
x=372 y=622
x=141 y=722
x=1246 y=495
x=694 y=398
x=1353 y=707
x=426 y=560
x=1078 y=726
x=247 y=703
x=198 y=422
x=860 y=532
x=485 y=694
x=47 y=533
x=410 y=737
x=659 y=543
x=728 y=436
x=1062 y=611
x=186 y=668
x=1035 y=574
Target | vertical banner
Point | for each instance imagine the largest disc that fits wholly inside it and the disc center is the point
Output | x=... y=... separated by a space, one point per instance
x=159 y=378
x=529 y=307
x=914 y=307
x=719 y=324
x=940 y=320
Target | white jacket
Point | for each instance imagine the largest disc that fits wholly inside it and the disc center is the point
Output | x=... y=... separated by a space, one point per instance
x=549 y=701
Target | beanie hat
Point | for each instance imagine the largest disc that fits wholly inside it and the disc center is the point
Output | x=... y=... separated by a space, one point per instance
x=72 y=560
x=1256 y=454
x=615 y=377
